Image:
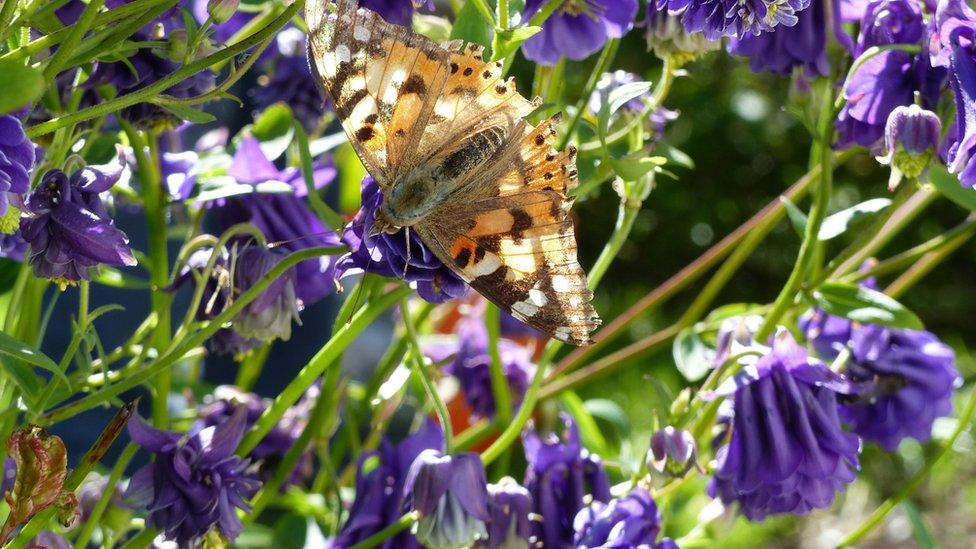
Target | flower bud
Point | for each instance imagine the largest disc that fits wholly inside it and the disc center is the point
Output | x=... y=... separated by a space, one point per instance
x=222 y=10
x=672 y=452
x=451 y=494
x=667 y=37
x=911 y=136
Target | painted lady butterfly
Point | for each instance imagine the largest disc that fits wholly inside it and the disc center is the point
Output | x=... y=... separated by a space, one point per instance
x=446 y=140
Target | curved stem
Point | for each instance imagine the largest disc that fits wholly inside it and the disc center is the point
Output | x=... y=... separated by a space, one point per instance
x=499 y=383
x=404 y=522
x=420 y=370
x=602 y=64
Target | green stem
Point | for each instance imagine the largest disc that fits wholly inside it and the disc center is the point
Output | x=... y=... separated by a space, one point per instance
x=499 y=383
x=626 y=216
x=420 y=370
x=103 y=501
x=925 y=265
x=7 y=11
x=137 y=377
x=503 y=20
x=148 y=92
x=102 y=40
x=404 y=522
x=313 y=370
x=602 y=65
x=56 y=61
x=818 y=211
x=965 y=418
x=141 y=540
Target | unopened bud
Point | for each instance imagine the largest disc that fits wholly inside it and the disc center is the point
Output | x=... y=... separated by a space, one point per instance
x=911 y=136
x=222 y=10
x=672 y=452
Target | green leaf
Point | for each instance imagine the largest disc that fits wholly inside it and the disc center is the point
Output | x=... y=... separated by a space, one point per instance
x=635 y=165
x=471 y=26
x=675 y=155
x=19 y=85
x=507 y=42
x=837 y=224
x=732 y=310
x=948 y=185
x=923 y=537
x=24 y=377
x=274 y=128
x=189 y=114
x=609 y=411
x=589 y=430
x=22 y=351
x=290 y=531
x=691 y=355
x=617 y=99
x=9 y=269
x=797 y=218
x=864 y=305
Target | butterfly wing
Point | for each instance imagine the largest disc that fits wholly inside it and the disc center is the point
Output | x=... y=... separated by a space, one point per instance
x=508 y=234
x=383 y=80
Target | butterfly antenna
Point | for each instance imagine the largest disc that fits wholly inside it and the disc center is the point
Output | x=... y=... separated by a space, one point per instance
x=406 y=235
x=277 y=243
x=360 y=286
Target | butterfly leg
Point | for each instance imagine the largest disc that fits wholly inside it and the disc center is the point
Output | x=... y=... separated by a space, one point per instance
x=406 y=235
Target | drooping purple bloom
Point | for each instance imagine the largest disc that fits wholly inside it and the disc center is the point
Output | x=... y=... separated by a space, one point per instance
x=387 y=254
x=380 y=480
x=889 y=79
x=227 y=399
x=718 y=18
x=472 y=367
x=956 y=48
x=630 y=521
x=578 y=28
x=667 y=37
x=268 y=317
x=289 y=80
x=787 y=452
x=195 y=481
x=16 y=163
x=907 y=378
x=509 y=505
x=284 y=218
x=828 y=334
x=781 y=50
x=451 y=495
x=911 y=138
x=560 y=474
x=68 y=226
x=672 y=452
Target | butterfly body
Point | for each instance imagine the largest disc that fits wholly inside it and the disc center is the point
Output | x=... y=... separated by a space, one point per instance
x=447 y=142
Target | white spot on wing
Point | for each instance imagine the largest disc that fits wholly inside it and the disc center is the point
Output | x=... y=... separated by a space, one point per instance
x=342 y=51
x=488 y=264
x=560 y=283
x=537 y=298
x=562 y=333
x=360 y=33
x=525 y=308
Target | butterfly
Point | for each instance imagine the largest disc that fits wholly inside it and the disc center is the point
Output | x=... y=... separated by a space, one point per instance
x=446 y=139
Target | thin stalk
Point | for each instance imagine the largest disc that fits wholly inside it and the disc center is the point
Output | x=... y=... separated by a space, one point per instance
x=144 y=94
x=420 y=370
x=56 y=61
x=7 y=11
x=315 y=367
x=103 y=501
x=602 y=64
x=499 y=383
x=137 y=377
x=404 y=522
x=965 y=419
x=818 y=211
x=925 y=265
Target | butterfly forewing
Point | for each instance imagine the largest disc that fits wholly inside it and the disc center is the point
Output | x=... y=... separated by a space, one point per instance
x=412 y=107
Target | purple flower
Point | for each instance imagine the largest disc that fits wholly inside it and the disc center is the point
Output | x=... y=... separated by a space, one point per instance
x=908 y=377
x=787 y=453
x=828 y=334
x=284 y=218
x=13 y=246
x=225 y=402
x=509 y=505
x=380 y=479
x=578 y=28
x=268 y=317
x=955 y=48
x=911 y=137
x=889 y=79
x=16 y=163
x=290 y=81
x=451 y=494
x=718 y=18
x=398 y=12
x=68 y=226
x=672 y=452
x=472 y=367
x=781 y=50
x=629 y=521
x=390 y=254
x=667 y=37
x=195 y=481
x=560 y=474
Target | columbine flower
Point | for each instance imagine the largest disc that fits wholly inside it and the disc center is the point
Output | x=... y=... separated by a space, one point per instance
x=451 y=494
x=386 y=254
x=284 y=218
x=195 y=482
x=380 y=478
x=290 y=81
x=718 y=18
x=68 y=227
x=889 y=79
x=268 y=317
x=785 y=48
x=578 y=28
x=630 y=521
x=908 y=377
x=560 y=475
x=16 y=163
x=227 y=399
x=955 y=49
x=672 y=452
x=667 y=37
x=911 y=136
x=828 y=334
x=787 y=452
x=509 y=506
x=472 y=367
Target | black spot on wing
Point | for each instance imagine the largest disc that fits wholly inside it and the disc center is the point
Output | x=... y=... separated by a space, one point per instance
x=415 y=84
x=522 y=222
x=365 y=133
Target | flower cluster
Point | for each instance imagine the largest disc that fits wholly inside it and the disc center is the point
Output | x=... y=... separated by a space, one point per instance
x=578 y=28
x=630 y=521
